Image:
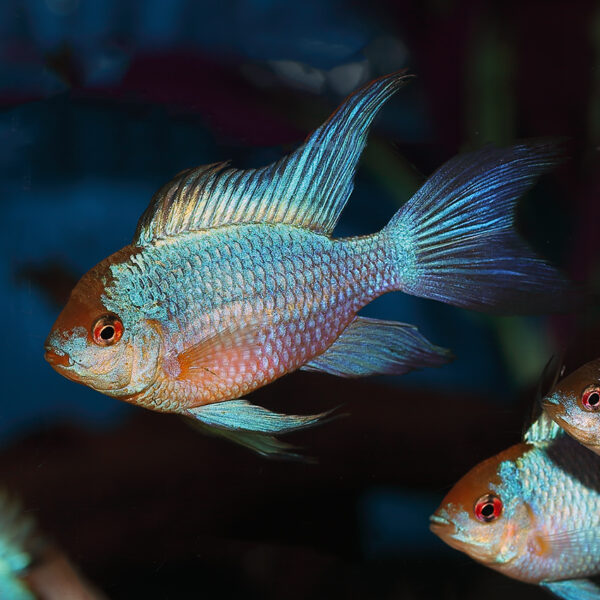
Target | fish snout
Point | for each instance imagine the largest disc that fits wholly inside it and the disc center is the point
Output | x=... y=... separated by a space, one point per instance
x=56 y=359
x=553 y=406
x=441 y=526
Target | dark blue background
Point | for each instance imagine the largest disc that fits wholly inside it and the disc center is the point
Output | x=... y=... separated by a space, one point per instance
x=102 y=102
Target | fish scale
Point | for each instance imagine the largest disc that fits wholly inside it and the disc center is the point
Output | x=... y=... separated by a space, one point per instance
x=345 y=275
x=562 y=501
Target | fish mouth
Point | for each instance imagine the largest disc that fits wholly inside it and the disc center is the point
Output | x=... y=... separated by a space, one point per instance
x=57 y=359
x=441 y=526
x=61 y=362
x=554 y=408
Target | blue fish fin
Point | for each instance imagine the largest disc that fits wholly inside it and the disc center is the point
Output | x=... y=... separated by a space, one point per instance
x=307 y=188
x=543 y=431
x=261 y=443
x=243 y=415
x=573 y=589
x=372 y=347
x=454 y=240
x=253 y=426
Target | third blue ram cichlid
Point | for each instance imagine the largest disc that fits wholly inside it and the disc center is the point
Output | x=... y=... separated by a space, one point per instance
x=233 y=278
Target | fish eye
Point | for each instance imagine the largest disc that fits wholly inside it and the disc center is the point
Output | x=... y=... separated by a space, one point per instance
x=107 y=330
x=591 y=399
x=488 y=508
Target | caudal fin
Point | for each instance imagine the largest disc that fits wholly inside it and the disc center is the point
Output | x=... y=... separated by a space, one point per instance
x=455 y=241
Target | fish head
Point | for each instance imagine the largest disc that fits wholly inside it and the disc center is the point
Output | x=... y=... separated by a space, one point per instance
x=574 y=404
x=485 y=518
x=112 y=349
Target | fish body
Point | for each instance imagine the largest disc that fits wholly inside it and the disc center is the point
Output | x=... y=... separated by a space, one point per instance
x=252 y=301
x=532 y=512
x=233 y=278
x=574 y=404
x=259 y=301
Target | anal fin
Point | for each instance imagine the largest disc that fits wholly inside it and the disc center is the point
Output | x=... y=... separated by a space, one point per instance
x=376 y=347
x=573 y=589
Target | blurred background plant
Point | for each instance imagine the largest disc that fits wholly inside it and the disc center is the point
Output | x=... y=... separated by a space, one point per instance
x=102 y=102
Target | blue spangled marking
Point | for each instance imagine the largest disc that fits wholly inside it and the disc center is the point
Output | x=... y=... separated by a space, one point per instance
x=307 y=188
x=455 y=240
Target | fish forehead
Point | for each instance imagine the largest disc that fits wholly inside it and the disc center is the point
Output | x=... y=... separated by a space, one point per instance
x=575 y=383
x=481 y=479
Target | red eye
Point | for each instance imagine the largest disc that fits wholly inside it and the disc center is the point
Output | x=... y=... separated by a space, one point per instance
x=488 y=508
x=591 y=399
x=107 y=330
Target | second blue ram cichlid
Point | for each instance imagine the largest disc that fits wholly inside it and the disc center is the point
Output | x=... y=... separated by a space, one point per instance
x=531 y=512
x=233 y=278
x=575 y=405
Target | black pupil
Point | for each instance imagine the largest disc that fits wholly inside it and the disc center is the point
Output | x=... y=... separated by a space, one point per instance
x=488 y=510
x=108 y=332
x=593 y=399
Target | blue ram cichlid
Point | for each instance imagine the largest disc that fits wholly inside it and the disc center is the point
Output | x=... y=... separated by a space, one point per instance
x=531 y=512
x=233 y=278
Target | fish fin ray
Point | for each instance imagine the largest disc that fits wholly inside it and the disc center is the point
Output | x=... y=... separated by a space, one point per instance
x=241 y=415
x=261 y=443
x=539 y=428
x=372 y=347
x=307 y=188
x=455 y=238
x=573 y=589
x=543 y=431
x=208 y=355
x=571 y=541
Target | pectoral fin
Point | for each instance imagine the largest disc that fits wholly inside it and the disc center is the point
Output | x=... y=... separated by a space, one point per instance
x=573 y=589
x=212 y=354
x=373 y=347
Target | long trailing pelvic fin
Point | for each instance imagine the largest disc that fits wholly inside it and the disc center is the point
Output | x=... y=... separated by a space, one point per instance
x=454 y=240
x=253 y=426
x=573 y=589
x=307 y=188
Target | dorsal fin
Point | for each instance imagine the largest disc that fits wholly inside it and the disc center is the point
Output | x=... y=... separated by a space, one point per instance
x=307 y=188
x=542 y=431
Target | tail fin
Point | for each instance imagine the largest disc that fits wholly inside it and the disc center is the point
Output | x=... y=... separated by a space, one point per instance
x=454 y=239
